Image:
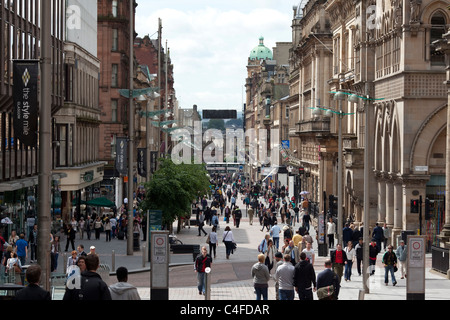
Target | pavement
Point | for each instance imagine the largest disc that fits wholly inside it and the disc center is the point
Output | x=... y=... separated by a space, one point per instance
x=231 y=279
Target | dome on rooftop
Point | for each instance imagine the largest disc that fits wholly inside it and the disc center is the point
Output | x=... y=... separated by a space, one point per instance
x=261 y=52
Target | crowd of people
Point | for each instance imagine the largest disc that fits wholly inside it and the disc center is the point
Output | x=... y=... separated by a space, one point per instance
x=289 y=262
x=18 y=250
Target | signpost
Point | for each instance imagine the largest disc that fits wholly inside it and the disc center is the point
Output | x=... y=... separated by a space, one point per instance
x=159 y=265
x=415 y=281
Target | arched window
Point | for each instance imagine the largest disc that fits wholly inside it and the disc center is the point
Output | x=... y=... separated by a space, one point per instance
x=437 y=31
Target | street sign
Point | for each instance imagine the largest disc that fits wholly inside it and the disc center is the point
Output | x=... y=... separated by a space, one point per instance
x=286 y=144
x=415 y=282
x=159 y=243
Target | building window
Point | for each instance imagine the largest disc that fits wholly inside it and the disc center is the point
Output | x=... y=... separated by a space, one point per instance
x=63 y=145
x=115 y=75
x=115 y=40
x=114 y=104
x=437 y=31
x=115 y=8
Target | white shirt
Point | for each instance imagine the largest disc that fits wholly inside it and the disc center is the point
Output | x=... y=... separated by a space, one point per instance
x=309 y=254
x=350 y=254
x=228 y=236
x=331 y=228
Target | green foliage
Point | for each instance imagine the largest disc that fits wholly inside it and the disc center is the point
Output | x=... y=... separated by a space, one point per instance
x=216 y=124
x=173 y=188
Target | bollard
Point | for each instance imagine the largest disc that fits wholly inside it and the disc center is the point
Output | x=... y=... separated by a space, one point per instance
x=113 y=261
x=144 y=250
x=207 y=283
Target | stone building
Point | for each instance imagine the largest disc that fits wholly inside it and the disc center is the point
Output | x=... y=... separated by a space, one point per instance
x=76 y=124
x=381 y=54
x=113 y=36
x=312 y=132
x=266 y=85
x=19 y=40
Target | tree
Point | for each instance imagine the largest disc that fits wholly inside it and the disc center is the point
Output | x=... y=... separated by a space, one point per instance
x=173 y=188
x=216 y=124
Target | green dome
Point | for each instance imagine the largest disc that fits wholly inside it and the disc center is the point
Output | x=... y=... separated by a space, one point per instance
x=261 y=52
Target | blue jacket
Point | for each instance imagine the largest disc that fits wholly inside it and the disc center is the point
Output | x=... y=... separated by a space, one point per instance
x=378 y=233
x=327 y=278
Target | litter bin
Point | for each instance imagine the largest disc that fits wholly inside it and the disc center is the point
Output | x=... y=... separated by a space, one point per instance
x=136 y=246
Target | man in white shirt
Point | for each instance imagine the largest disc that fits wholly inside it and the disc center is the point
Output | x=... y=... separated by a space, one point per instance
x=310 y=254
x=275 y=233
x=285 y=278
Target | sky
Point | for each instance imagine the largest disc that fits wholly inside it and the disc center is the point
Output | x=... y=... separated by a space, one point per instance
x=210 y=42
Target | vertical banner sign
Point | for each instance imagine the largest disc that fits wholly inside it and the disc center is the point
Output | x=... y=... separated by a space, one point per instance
x=25 y=77
x=153 y=159
x=142 y=162
x=121 y=156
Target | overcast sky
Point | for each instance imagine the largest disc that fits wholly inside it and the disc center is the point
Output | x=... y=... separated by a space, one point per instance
x=210 y=42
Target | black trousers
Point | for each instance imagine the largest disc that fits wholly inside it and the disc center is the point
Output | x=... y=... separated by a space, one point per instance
x=72 y=241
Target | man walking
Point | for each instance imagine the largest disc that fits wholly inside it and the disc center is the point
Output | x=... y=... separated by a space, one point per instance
x=202 y=262
x=22 y=249
x=373 y=252
x=401 y=253
x=285 y=278
x=338 y=259
x=304 y=278
x=201 y=223
x=359 y=248
x=328 y=278
x=275 y=233
x=122 y=290
x=378 y=235
x=390 y=262
x=237 y=216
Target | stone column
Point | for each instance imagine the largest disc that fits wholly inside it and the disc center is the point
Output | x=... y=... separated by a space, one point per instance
x=398 y=211
x=381 y=199
x=444 y=237
x=389 y=217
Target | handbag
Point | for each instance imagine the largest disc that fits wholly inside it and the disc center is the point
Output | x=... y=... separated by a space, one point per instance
x=17 y=268
x=325 y=293
x=207 y=239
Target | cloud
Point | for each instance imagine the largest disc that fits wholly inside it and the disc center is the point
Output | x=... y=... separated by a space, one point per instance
x=209 y=45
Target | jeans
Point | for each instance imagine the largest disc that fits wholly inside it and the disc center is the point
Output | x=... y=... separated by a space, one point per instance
x=286 y=294
x=348 y=270
x=261 y=291
x=387 y=269
x=276 y=242
x=201 y=282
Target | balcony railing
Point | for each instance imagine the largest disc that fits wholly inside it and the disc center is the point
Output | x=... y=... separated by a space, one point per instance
x=313 y=125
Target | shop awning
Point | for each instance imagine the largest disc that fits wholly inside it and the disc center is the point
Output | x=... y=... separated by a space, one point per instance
x=100 y=202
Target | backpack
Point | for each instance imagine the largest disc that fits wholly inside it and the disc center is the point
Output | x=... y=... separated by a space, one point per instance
x=261 y=246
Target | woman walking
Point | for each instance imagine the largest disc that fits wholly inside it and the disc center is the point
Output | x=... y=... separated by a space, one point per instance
x=261 y=276
x=213 y=241
x=351 y=254
x=228 y=239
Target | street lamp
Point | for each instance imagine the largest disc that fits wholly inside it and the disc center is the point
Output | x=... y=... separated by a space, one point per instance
x=340 y=96
x=355 y=98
